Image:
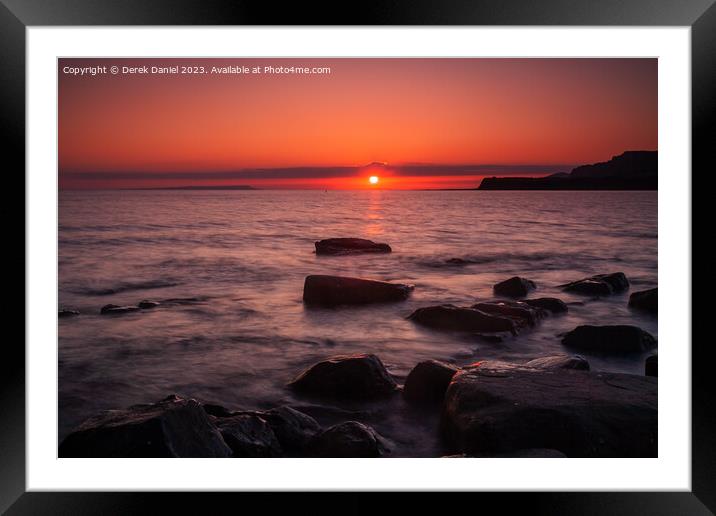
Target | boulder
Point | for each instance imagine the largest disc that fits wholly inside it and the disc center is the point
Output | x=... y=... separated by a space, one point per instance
x=216 y=410
x=609 y=339
x=347 y=440
x=521 y=313
x=67 y=313
x=292 y=428
x=337 y=290
x=599 y=285
x=551 y=304
x=646 y=300
x=501 y=408
x=358 y=377
x=173 y=427
x=450 y=317
x=342 y=246
x=147 y=304
x=428 y=381
x=651 y=365
x=559 y=362
x=249 y=435
x=514 y=287
x=116 y=309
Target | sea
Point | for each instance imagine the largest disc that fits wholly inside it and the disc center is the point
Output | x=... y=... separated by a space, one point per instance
x=232 y=265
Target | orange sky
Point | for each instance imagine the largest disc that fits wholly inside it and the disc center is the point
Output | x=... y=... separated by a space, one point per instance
x=460 y=117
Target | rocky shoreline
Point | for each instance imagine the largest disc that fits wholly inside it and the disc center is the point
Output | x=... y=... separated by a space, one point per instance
x=551 y=406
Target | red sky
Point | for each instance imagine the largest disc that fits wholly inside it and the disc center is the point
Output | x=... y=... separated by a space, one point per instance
x=453 y=120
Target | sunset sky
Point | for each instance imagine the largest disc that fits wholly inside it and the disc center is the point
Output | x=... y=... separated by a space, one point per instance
x=425 y=123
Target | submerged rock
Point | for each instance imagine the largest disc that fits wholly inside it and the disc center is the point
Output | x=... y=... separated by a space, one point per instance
x=349 y=377
x=292 y=428
x=651 y=365
x=599 y=285
x=646 y=300
x=67 y=313
x=341 y=246
x=450 y=317
x=173 y=427
x=609 y=339
x=428 y=381
x=338 y=290
x=498 y=408
x=551 y=304
x=514 y=287
x=249 y=435
x=116 y=309
x=559 y=362
x=521 y=313
x=347 y=440
x=147 y=304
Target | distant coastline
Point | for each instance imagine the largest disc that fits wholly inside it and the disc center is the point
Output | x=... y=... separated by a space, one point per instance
x=631 y=170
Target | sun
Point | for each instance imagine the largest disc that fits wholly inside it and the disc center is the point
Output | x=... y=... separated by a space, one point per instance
x=373 y=180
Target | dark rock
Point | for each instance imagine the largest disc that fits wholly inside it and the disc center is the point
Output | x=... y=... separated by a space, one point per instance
x=341 y=246
x=449 y=317
x=501 y=408
x=249 y=435
x=147 y=304
x=646 y=300
x=173 y=427
x=347 y=440
x=599 y=285
x=559 y=362
x=115 y=309
x=67 y=313
x=514 y=287
x=428 y=381
x=493 y=339
x=348 y=377
x=292 y=428
x=551 y=304
x=338 y=290
x=216 y=410
x=609 y=339
x=521 y=313
x=457 y=261
x=651 y=365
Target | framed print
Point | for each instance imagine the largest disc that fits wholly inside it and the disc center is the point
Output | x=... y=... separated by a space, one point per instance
x=418 y=250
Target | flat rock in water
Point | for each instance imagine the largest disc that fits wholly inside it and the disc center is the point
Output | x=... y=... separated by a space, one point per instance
x=521 y=313
x=147 y=304
x=646 y=300
x=498 y=408
x=559 y=362
x=338 y=290
x=450 y=317
x=116 y=309
x=347 y=440
x=609 y=339
x=651 y=365
x=599 y=285
x=551 y=304
x=67 y=313
x=173 y=427
x=249 y=435
x=428 y=381
x=514 y=287
x=341 y=246
x=347 y=377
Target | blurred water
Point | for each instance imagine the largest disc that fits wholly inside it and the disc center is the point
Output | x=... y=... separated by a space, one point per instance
x=244 y=256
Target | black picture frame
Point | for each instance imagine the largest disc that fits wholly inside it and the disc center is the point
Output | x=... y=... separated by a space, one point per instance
x=17 y=15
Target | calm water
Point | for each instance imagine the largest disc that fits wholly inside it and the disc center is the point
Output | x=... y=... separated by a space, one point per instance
x=244 y=255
